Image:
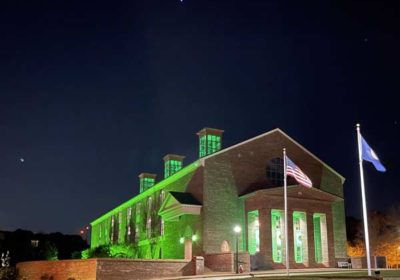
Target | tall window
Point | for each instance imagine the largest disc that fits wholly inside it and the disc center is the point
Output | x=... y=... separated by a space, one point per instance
x=138 y=222
x=253 y=227
x=320 y=238
x=162 y=196
x=112 y=228
x=128 y=220
x=148 y=224
x=119 y=226
x=317 y=239
x=106 y=233
x=278 y=229
x=275 y=172
x=300 y=237
x=298 y=242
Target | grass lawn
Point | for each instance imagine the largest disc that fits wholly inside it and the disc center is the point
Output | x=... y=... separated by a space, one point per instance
x=333 y=275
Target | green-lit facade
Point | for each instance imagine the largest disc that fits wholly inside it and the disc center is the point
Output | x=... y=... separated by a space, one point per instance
x=193 y=210
x=278 y=235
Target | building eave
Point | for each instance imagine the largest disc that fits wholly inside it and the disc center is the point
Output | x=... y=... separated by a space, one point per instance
x=159 y=186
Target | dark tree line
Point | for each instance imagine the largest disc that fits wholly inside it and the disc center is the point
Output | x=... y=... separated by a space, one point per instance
x=384 y=235
x=25 y=245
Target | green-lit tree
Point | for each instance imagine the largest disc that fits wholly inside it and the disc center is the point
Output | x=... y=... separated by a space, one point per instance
x=50 y=251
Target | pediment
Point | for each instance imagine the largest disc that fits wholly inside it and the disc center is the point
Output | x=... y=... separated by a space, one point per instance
x=177 y=204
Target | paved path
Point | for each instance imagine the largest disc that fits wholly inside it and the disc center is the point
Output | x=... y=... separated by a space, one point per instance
x=269 y=273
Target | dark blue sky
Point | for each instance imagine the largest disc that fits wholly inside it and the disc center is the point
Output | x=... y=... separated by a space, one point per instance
x=94 y=92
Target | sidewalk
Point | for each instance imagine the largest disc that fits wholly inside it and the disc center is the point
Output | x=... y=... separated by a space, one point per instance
x=268 y=273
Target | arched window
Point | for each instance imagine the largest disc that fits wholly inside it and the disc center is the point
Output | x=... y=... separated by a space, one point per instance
x=225 y=248
x=275 y=172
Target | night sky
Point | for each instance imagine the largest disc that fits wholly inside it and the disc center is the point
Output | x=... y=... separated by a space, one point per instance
x=94 y=92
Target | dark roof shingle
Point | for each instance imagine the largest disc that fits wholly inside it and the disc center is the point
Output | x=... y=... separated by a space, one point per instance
x=185 y=198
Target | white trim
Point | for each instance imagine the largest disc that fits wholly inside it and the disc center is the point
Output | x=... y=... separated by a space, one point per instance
x=337 y=198
x=270 y=132
x=173 y=208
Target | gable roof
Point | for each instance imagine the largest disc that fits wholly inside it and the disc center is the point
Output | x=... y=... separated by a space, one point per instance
x=177 y=204
x=185 y=198
x=276 y=130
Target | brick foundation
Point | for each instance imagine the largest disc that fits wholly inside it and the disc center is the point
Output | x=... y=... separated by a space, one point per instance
x=219 y=261
x=226 y=261
x=63 y=270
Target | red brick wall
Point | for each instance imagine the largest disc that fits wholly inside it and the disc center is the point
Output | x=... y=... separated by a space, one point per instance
x=219 y=261
x=120 y=269
x=242 y=170
x=247 y=164
x=226 y=261
x=58 y=270
x=244 y=260
x=257 y=202
x=103 y=269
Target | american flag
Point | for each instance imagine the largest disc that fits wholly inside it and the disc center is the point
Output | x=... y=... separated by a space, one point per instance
x=294 y=171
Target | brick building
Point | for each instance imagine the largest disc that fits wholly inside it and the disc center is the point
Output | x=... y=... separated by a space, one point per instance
x=192 y=211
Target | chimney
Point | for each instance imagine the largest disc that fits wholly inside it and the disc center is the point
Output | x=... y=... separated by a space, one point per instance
x=146 y=181
x=209 y=141
x=172 y=164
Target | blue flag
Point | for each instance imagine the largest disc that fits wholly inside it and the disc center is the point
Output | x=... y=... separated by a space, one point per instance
x=369 y=155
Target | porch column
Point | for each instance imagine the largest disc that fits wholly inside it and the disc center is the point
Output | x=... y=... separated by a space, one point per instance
x=266 y=236
x=310 y=237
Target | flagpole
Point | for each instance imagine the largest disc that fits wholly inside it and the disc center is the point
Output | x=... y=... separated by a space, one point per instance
x=364 y=203
x=286 y=220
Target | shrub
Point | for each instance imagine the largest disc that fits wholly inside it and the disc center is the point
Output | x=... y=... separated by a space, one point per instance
x=50 y=251
x=100 y=252
x=77 y=255
x=111 y=251
x=8 y=273
x=123 y=251
x=85 y=254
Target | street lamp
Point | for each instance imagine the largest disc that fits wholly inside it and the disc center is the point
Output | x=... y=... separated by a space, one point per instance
x=237 y=229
